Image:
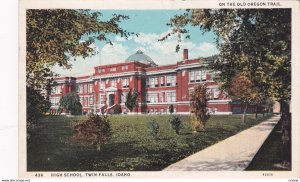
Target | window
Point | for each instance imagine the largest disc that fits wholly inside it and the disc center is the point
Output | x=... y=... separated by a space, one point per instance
x=161 y=96
x=102 y=99
x=86 y=101
x=113 y=82
x=156 y=81
x=197 y=76
x=56 y=90
x=162 y=81
x=91 y=100
x=171 y=96
x=216 y=93
x=171 y=80
x=101 y=70
x=125 y=82
x=213 y=93
x=55 y=101
x=85 y=88
x=123 y=97
x=192 y=76
x=81 y=100
x=102 y=84
x=152 y=98
x=203 y=75
x=152 y=82
x=79 y=88
x=113 y=69
x=125 y=67
x=90 y=88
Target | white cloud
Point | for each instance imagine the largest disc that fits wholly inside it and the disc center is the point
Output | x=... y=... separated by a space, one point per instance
x=162 y=52
x=206 y=46
x=115 y=53
x=122 y=39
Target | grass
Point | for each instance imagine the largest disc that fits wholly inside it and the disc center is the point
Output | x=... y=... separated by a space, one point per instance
x=270 y=154
x=131 y=146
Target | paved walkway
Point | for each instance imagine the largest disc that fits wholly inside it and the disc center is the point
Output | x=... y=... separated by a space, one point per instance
x=232 y=154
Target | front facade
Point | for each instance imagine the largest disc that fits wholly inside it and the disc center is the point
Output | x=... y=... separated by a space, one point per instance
x=158 y=87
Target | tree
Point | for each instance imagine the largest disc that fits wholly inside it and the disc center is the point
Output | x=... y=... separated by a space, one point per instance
x=254 y=40
x=70 y=102
x=200 y=115
x=242 y=90
x=95 y=131
x=36 y=106
x=57 y=36
x=261 y=37
x=132 y=99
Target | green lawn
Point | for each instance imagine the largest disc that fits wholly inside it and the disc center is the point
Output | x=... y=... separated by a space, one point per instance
x=131 y=146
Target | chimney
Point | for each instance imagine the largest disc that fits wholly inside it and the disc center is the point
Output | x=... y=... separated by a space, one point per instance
x=185 y=54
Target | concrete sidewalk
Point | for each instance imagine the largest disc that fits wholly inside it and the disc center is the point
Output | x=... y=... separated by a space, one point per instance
x=232 y=154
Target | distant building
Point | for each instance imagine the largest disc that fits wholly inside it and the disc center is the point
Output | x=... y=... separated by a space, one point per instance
x=158 y=87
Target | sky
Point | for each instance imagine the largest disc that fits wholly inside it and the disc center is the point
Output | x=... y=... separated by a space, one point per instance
x=150 y=25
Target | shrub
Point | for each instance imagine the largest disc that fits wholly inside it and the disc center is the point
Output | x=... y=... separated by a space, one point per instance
x=154 y=128
x=199 y=112
x=36 y=106
x=117 y=109
x=94 y=131
x=176 y=124
x=70 y=102
x=171 y=109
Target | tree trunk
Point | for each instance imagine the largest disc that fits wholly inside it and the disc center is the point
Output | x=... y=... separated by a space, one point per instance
x=285 y=122
x=98 y=147
x=245 y=111
x=255 y=111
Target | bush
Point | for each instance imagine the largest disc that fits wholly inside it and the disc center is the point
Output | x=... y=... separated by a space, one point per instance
x=70 y=102
x=154 y=128
x=36 y=106
x=94 y=131
x=171 y=109
x=175 y=124
x=117 y=109
x=199 y=112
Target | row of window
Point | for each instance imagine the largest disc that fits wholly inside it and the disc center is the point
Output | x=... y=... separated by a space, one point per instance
x=161 y=97
x=113 y=83
x=152 y=82
x=197 y=76
x=87 y=101
x=113 y=69
x=84 y=88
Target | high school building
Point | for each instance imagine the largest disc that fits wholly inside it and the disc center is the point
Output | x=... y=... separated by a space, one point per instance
x=158 y=87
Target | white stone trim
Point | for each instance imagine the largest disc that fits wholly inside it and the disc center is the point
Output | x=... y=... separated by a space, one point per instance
x=90 y=79
x=193 y=65
x=221 y=113
x=160 y=72
x=123 y=74
x=219 y=101
x=184 y=113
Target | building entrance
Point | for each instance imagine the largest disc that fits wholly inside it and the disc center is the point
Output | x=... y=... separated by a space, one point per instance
x=111 y=100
